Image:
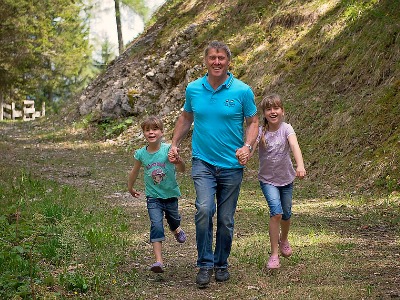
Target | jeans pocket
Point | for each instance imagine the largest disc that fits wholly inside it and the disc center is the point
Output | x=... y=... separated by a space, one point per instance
x=151 y=203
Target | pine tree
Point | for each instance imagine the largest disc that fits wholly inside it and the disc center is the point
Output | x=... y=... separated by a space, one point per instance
x=44 y=48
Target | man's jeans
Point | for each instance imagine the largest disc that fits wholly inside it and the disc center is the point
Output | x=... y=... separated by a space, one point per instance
x=224 y=184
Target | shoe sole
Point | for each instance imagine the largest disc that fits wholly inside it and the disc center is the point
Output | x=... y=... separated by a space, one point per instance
x=202 y=286
x=286 y=254
x=222 y=279
x=157 y=269
x=205 y=284
x=274 y=268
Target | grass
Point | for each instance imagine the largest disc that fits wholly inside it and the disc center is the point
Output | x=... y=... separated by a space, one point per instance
x=81 y=236
x=55 y=238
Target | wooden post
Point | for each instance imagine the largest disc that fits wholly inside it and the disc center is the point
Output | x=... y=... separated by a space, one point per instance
x=29 y=112
x=1 y=107
x=12 y=111
x=43 y=109
x=1 y=110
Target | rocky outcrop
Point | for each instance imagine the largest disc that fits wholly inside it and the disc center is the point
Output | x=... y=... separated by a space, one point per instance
x=134 y=85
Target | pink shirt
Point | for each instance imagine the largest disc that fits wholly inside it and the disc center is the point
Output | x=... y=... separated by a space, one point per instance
x=276 y=165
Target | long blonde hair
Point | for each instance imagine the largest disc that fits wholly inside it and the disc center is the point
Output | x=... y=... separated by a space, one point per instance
x=272 y=100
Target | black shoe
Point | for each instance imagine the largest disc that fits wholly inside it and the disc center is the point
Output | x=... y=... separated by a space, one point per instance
x=203 y=277
x=221 y=274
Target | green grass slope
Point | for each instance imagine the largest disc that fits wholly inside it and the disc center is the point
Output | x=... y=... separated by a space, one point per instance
x=335 y=63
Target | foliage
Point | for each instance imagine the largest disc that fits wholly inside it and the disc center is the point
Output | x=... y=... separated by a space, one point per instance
x=106 y=55
x=48 y=233
x=113 y=128
x=44 y=49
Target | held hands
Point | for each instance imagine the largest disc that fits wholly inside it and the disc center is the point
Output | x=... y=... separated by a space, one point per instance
x=243 y=155
x=173 y=155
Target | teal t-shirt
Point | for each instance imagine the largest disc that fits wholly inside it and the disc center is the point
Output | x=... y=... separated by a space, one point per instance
x=219 y=117
x=159 y=173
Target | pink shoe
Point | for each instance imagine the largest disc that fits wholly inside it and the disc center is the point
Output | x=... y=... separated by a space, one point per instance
x=285 y=248
x=273 y=262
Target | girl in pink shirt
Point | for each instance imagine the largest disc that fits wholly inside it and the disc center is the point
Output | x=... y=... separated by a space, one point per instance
x=276 y=173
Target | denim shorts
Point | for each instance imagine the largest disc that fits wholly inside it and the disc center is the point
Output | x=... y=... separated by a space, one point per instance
x=157 y=208
x=279 y=199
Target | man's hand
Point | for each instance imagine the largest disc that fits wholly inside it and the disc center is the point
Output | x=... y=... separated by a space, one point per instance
x=243 y=155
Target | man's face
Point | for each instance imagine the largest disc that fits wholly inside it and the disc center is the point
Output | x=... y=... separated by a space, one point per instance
x=217 y=62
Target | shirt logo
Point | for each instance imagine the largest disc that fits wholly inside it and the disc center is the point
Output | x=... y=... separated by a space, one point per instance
x=229 y=102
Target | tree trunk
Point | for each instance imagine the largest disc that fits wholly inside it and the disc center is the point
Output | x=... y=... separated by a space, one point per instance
x=119 y=29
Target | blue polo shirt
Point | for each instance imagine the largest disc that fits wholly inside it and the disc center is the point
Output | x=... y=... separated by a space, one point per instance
x=219 y=117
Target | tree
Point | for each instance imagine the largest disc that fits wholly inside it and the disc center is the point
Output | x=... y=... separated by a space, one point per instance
x=106 y=55
x=44 y=48
x=138 y=6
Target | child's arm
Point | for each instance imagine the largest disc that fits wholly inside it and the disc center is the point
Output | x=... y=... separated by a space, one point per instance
x=294 y=146
x=132 y=178
x=180 y=165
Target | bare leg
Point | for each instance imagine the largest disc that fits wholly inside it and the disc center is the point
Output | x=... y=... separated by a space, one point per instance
x=274 y=224
x=157 y=247
x=285 y=225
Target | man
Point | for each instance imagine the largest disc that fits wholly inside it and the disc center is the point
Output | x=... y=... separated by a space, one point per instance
x=218 y=103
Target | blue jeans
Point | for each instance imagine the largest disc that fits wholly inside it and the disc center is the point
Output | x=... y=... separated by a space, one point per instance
x=213 y=182
x=279 y=199
x=156 y=208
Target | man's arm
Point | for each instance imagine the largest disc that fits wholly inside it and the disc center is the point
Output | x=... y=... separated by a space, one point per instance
x=182 y=128
x=251 y=130
x=243 y=153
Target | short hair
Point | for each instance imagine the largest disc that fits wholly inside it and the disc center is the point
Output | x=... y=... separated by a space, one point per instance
x=152 y=122
x=218 y=45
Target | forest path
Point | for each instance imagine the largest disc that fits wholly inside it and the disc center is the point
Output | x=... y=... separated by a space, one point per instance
x=364 y=265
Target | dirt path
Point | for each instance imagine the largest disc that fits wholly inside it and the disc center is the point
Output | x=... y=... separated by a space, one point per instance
x=369 y=255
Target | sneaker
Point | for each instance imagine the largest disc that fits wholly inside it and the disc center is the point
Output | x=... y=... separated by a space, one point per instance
x=285 y=248
x=180 y=236
x=221 y=274
x=203 y=277
x=273 y=262
x=157 y=267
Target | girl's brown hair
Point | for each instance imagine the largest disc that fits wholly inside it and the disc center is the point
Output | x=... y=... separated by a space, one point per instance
x=272 y=100
x=152 y=122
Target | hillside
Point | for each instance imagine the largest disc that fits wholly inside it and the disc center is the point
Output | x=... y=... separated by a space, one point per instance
x=336 y=63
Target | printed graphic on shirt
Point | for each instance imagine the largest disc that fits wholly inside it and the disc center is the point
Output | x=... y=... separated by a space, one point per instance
x=276 y=146
x=157 y=175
